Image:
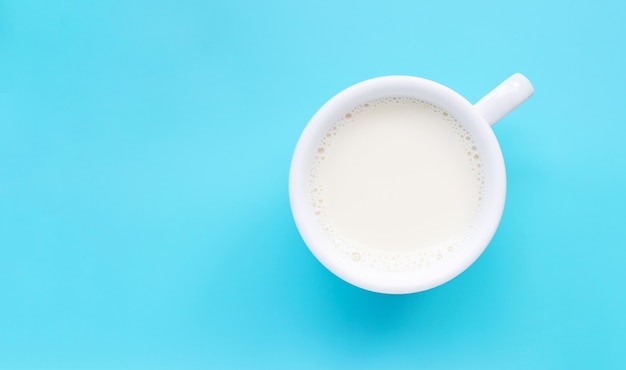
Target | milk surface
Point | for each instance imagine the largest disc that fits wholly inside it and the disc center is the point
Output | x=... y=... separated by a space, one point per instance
x=397 y=183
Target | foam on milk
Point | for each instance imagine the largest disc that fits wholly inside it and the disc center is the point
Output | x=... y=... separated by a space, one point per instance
x=396 y=184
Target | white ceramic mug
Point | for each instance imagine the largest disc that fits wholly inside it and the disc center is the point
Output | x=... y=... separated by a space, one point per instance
x=476 y=119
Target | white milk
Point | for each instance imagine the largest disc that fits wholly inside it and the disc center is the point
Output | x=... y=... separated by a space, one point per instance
x=397 y=183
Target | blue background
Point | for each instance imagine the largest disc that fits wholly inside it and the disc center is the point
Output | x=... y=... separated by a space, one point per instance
x=144 y=155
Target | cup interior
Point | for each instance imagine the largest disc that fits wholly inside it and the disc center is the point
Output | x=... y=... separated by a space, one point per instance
x=344 y=263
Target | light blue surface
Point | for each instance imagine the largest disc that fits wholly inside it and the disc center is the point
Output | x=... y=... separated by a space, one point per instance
x=144 y=155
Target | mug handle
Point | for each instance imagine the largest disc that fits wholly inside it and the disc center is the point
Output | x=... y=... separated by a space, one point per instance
x=504 y=98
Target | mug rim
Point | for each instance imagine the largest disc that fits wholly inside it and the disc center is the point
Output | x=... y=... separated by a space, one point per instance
x=333 y=109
